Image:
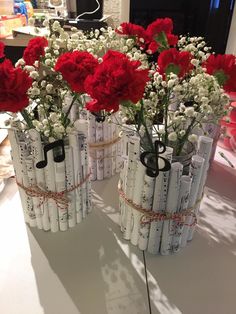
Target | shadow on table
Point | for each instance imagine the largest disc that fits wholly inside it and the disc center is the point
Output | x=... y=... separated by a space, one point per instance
x=222 y=181
x=91 y=266
x=198 y=279
x=201 y=277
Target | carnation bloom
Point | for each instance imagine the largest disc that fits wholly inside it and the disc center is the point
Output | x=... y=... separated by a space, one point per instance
x=13 y=88
x=75 y=67
x=133 y=30
x=117 y=79
x=177 y=62
x=160 y=32
x=2 y=46
x=35 y=50
x=223 y=67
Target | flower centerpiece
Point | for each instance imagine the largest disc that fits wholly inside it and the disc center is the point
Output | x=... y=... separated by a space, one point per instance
x=159 y=192
x=49 y=146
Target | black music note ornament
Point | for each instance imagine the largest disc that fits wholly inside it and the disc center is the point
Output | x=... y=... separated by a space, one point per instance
x=56 y=157
x=150 y=160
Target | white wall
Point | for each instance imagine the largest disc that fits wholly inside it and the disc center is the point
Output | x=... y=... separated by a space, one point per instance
x=231 y=44
x=119 y=9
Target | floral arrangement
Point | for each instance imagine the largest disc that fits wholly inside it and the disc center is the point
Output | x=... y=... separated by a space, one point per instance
x=166 y=86
x=185 y=89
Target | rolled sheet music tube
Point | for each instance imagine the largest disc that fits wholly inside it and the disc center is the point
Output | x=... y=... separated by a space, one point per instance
x=60 y=176
x=37 y=152
x=185 y=186
x=74 y=143
x=32 y=182
x=119 y=145
x=18 y=169
x=147 y=200
x=121 y=185
x=99 y=152
x=83 y=172
x=107 y=150
x=195 y=173
x=24 y=153
x=114 y=153
x=70 y=183
x=159 y=203
x=137 y=199
x=88 y=181
x=92 y=139
x=51 y=186
x=204 y=151
x=133 y=155
x=171 y=207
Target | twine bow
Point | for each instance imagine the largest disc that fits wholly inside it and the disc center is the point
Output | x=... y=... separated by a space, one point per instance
x=149 y=216
x=60 y=198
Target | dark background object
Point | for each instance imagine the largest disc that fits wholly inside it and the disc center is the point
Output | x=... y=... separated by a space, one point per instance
x=208 y=18
x=14 y=53
x=86 y=6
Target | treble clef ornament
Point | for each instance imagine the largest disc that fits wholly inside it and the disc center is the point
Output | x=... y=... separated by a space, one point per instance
x=151 y=160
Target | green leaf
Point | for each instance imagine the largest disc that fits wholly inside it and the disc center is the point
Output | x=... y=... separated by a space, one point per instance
x=221 y=77
x=172 y=68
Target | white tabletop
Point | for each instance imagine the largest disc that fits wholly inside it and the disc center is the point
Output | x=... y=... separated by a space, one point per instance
x=92 y=270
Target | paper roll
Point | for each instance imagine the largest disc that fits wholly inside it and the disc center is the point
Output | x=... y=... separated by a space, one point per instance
x=51 y=186
x=74 y=143
x=107 y=136
x=204 y=151
x=185 y=186
x=159 y=203
x=99 y=152
x=88 y=181
x=23 y=154
x=195 y=173
x=70 y=183
x=137 y=199
x=147 y=200
x=114 y=153
x=83 y=172
x=37 y=152
x=32 y=182
x=92 y=139
x=133 y=155
x=18 y=169
x=171 y=207
x=60 y=177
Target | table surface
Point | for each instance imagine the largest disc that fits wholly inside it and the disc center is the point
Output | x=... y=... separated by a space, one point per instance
x=92 y=270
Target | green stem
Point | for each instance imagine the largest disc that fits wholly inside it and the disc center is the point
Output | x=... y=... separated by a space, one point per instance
x=179 y=150
x=27 y=119
x=68 y=111
x=146 y=128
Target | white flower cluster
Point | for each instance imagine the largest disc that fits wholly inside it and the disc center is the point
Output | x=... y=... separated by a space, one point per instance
x=196 y=46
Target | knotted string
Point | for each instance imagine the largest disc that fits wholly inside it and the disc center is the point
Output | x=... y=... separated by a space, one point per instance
x=60 y=198
x=149 y=216
x=104 y=144
x=101 y=146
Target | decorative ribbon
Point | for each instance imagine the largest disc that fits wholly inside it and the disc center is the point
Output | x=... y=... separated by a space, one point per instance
x=59 y=197
x=150 y=216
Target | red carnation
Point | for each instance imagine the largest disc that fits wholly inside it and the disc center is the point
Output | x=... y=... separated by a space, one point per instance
x=116 y=80
x=160 y=31
x=131 y=30
x=177 y=62
x=13 y=88
x=35 y=50
x=2 y=46
x=223 y=67
x=75 y=67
